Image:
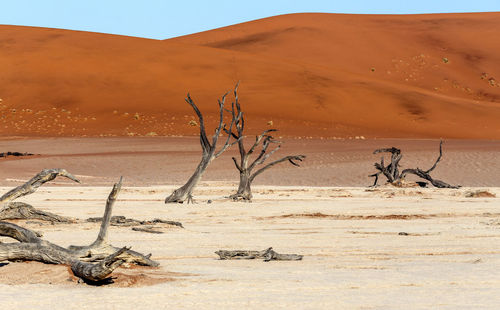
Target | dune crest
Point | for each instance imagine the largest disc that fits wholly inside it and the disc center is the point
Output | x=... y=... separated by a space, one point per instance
x=418 y=76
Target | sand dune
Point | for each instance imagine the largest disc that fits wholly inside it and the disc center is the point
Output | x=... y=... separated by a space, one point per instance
x=311 y=74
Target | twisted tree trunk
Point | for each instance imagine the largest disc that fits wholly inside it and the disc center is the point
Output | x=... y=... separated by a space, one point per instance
x=91 y=263
x=185 y=192
x=244 y=191
x=209 y=153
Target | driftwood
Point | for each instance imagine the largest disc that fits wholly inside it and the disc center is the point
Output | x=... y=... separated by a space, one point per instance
x=93 y=263
x=395 y=177
x=209 y=153
x=21 y=210
x=15 y=154
x=268 y=255
x=244 y=165
x=119 y=220
x=149 y=229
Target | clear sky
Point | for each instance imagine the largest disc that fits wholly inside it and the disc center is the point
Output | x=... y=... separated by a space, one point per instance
x=165 y=19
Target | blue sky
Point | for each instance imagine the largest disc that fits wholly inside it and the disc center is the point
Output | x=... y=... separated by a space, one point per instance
x=165 y=19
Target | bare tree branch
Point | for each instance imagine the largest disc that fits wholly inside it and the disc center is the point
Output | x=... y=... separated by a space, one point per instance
x=21 y=210
x=286 y=158
x=32 y=248
x=439 y=157
x=244 y=166
x=391 y=172
x=209 y=152
x=34 y=183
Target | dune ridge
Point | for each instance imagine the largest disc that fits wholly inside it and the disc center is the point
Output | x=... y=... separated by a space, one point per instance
x=328 y=75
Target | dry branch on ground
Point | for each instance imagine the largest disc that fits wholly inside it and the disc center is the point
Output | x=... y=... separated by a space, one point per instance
x=267 y=255
x=397 y=178
x=21 y=210
x=93 y=263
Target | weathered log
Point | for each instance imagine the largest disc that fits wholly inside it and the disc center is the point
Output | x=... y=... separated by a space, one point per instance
x=35 y=182
x=15 y=154
x=120 y=220
x=106 y=257
x=148 y=229
x=21 y=210
x=268 y=255
x=244 y=165
x=209 y=153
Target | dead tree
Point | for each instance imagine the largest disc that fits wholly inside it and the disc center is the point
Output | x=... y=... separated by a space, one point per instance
x=395 y=177
x=91 y=263
x=209 y=152
x=267 y=255
x=21 y=210
x=245 y=166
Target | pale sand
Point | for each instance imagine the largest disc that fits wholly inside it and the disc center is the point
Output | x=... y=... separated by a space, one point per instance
x=352 y=260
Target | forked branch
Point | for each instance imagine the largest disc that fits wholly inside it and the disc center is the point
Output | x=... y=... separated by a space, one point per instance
x=394 y=177
x=209 y=150
x=244 y=165
x=20 y=210
x=92 y=263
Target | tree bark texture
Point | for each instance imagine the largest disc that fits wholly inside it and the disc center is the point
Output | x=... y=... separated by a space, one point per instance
x=21 y=210
x=209 y=153
x=246 y=167
x=267 y=255
x=91 y=263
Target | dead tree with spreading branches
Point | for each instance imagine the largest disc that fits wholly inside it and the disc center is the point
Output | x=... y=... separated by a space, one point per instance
x=11 y=209
x=209 y=152
x=93 y=263
x=395 y=177
x=246 y=167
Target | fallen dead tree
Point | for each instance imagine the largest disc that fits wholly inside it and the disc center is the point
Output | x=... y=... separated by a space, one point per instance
x=20 y=210
x=148 y=226
x=267 y=255
x=15 y=154
x=249 y=169
x=92 y=263
x=120 y=220
x=397 y=178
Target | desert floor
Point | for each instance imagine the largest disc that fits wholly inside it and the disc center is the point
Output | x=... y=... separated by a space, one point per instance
x=354 y=254
x=364 y=248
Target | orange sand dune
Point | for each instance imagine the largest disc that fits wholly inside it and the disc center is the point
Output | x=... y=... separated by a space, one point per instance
x=420 y=76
